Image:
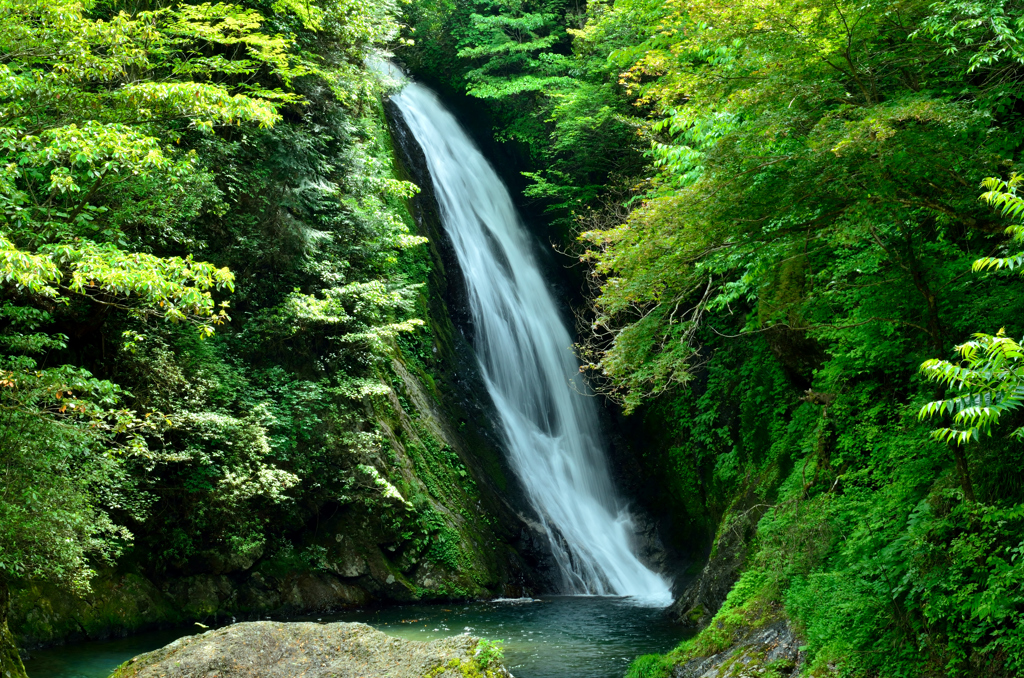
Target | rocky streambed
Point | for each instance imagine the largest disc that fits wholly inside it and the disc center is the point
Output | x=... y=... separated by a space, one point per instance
x=266 y=649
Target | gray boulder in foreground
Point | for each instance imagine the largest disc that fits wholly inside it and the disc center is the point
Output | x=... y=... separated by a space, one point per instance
x=267 y=649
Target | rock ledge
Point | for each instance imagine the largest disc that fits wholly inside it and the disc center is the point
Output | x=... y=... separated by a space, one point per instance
x=288 y=650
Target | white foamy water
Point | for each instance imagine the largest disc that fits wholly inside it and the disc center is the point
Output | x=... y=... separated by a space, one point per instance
x=524 y=349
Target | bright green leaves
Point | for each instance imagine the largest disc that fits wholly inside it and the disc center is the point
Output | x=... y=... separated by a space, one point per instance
x=513 y=55
x=776 y=133
x=172 y=287
x=650 y=356
x=32 y=272
x=359 y=26
x=92 y=149
x=190 y=31
x=511 y=52
x=1003 y=195
x=87 y=107
x=989 y=33
x=175 y=288
x=990 y=374
x=204 y=104
x=88 y=103
x=694 y=132
x=73 y=48
x=990 y=378
x=364 y=312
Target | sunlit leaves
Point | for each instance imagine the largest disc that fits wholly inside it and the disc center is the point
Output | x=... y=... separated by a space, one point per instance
x=362 y=313
x=1003 y=195
x=33 y=272
x=172 y=287
x=80 y=120
x=990 y=378
x=204 y=103
x=191 y=29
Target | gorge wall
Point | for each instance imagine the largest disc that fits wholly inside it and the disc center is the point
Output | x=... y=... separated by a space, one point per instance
x=430 y=510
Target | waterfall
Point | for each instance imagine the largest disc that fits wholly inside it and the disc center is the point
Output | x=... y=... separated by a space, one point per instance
x=524 y=348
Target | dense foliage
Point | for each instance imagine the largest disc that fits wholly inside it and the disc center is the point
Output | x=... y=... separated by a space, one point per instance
x=206 y=259
x=779 y=205
x=205 y=264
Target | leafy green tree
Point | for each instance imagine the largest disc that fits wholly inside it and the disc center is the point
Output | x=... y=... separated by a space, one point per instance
x=94 y=100
x=138 y=144
x=989 y=377
x=990 y=380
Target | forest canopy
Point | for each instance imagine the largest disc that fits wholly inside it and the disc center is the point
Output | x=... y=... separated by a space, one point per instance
x=797 y=226
x=164 y=168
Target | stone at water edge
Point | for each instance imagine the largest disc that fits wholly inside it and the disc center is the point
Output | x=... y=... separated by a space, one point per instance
x=287 y=649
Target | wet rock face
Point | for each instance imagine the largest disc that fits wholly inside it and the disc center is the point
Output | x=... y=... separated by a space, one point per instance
x=284 y=650
x=773 y=647
x=121 y=604
x=699 y=602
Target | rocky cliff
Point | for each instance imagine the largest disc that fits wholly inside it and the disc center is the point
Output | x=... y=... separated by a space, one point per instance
x=431 y=510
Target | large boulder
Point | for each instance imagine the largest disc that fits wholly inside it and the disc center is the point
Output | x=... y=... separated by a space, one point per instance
x=284 y=650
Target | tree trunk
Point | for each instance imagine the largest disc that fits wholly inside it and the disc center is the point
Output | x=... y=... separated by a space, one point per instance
x=960 y=456
x=921 y=283
x=10 y=660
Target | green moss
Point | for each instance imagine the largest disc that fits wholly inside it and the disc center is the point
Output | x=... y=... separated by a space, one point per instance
x=649 y=666
x=46 y=613
x=694 y=616
x=10 y=660
x=470 y=668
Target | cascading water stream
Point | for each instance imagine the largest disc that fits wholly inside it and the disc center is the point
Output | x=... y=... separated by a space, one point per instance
x=551 y=429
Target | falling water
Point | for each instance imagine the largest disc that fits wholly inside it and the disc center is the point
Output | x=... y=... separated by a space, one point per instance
x=523 y=346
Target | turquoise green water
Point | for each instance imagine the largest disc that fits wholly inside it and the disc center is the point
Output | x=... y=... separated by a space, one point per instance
x=552 y=637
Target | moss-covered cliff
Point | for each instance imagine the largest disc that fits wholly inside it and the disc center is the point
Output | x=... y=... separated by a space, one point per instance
x=421 y=504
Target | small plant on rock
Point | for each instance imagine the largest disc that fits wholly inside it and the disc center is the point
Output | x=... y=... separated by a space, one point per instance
x=490 y=652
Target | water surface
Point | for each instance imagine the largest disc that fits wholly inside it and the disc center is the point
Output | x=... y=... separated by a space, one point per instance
x=552 y=637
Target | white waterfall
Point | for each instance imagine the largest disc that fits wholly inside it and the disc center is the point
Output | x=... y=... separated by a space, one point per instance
x=524 y=349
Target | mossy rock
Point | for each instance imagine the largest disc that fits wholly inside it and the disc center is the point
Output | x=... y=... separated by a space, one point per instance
x=283 y=650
